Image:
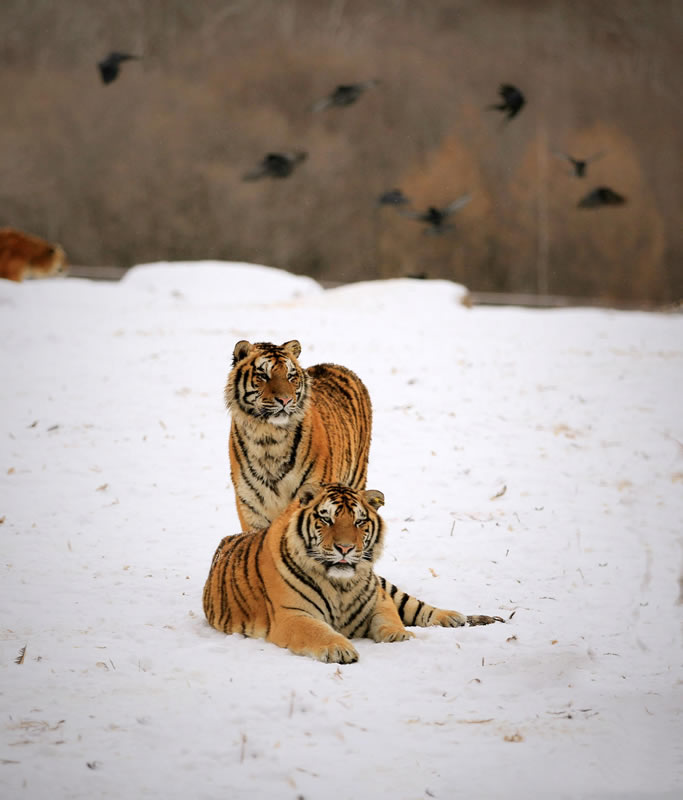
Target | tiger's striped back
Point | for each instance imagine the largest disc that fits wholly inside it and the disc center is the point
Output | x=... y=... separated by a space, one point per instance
x=342 y=402
x=292 y=426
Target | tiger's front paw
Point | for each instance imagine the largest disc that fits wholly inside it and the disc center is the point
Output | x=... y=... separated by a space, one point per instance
x=482 y=619
x=389 y=633
x=339 y=651
x=449 y=619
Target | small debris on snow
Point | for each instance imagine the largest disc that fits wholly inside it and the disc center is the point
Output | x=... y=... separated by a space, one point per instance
x=514 y=737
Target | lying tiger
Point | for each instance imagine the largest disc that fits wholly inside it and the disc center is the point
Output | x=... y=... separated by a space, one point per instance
x=290 y=427
x=307 y=581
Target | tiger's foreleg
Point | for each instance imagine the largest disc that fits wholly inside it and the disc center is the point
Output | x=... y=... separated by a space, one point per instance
x=386 y=625
x=307 y=636
x=416 y=612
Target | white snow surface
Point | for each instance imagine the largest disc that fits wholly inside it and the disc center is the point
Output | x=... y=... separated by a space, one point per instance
x=532 y=463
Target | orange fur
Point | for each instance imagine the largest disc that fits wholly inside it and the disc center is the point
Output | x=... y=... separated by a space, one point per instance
x=307 y=583
x=291 y=426
x=25 y=256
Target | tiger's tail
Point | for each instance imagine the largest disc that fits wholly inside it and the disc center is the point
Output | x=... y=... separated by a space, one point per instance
x=414 y=612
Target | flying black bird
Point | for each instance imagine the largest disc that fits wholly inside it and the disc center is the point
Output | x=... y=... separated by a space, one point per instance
x=436 y=217
x=276 y=165
x=109 y=67
x=344 y=95
x=601 y=196
x=513 y=100
x=579 y=165
x=394 y=197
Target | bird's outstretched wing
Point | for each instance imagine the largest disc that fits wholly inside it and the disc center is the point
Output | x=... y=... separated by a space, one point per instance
x=393 y=197
x=321 y=105
x=595 y=157
x=363 y=85
x=344 y=94
x=109 y=66
x=410 y=214
x=601 y=196
x=295 y=156
x=456 y=204
x=255 y=174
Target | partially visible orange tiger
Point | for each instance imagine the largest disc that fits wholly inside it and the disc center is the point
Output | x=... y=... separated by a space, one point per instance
x=307 y=582
x=23 y=255
x=292 y=426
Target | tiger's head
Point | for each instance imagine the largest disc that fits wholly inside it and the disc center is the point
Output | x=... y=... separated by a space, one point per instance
x=339 y=529
x=267 y=383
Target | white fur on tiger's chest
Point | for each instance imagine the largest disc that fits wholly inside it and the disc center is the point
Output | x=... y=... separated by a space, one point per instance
x=277 y=494
x=273 y=474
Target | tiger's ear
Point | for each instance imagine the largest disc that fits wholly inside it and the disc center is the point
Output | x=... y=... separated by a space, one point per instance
x=241 y=351
x=293 y=347
x=308 y=492
x=374 y=497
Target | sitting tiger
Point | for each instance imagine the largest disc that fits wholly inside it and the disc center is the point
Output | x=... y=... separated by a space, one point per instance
x=307 y=581
x=290 y=427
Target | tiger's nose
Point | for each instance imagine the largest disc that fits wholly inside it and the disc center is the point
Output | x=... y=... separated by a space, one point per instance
x=284 y=401
x=344 y=548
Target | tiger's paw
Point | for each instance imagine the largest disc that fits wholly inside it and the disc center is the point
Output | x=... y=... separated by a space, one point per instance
x=449 y=619
x=482 y=619
x=387 y=633
x=337 y=652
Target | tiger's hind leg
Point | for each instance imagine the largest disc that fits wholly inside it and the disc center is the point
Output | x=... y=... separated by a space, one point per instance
x=416 y=612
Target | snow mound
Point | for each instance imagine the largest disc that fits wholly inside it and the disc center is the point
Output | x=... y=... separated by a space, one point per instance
x=400 y=294
x=219 y=282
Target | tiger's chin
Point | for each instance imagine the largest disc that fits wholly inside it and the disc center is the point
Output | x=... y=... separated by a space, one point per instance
x=341 y=571
x=280 y=418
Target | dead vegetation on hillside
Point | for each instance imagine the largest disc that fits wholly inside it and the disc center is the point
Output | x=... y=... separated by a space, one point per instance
x=150 y=166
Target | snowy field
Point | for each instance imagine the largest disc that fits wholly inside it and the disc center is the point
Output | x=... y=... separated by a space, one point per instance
x=532 y=463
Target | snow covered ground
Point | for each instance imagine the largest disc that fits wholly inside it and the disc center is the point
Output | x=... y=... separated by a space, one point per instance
x=532 y=463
